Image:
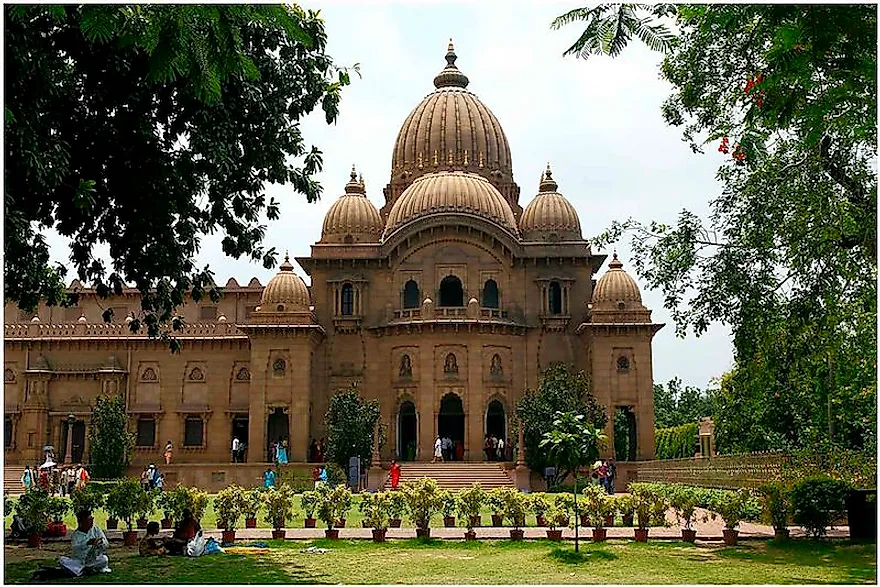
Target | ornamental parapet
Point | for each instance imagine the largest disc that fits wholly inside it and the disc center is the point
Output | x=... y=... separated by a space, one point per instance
x=115 y=331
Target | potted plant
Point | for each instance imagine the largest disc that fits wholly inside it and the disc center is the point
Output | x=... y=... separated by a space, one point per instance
x=396 y=508
x=58 y=506
x=556 y=515
x=88 y=498
x=33 y=507
x=627 y=507
x=166 y=502
x=423 y=502
x=469 y=502
x=684 y=501
x=309 y=501
x=145 y=507
x=539 y=505
x=447 y=508
x=124 y=501
x=253 y=501
x=376 y=514
x=733 y=507
x=229 y=505
x=279 y=509
x=599 y=507
x=515 y=511
x=649 y=505
x=776 y=508
x=196 y=501
x=495 y=499
x=332 y=507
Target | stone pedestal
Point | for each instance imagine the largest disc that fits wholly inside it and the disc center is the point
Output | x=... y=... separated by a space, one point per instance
x=376 y=478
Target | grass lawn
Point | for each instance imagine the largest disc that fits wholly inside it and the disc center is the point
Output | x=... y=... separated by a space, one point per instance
x=487 y=562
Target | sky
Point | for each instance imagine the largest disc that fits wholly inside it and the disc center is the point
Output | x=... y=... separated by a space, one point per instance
x=597 y=122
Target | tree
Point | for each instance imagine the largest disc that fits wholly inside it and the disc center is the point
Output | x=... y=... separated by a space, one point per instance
x=572 y=443
x=676 y=404
x=351 y=422
x=787 y=258
x=110 y=442
x=143 y=128
x=560 y=390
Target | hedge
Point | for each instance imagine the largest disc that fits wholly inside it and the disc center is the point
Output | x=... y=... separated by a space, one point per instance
x=677 y=442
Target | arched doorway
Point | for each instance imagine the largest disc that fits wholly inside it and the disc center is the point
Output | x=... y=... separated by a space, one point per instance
x=625 y=434
x=411 y=295
x=490 y=294
x=451 y=292
x=496 y=421
x=407 y=432
x=278 y=428
x=450 y=421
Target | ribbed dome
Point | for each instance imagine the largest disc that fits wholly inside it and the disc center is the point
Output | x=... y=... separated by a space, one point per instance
x=452 y=130
x=352 y=218
x=285 y=292
x=550 y=217
x=616 y=286
x=451 y=191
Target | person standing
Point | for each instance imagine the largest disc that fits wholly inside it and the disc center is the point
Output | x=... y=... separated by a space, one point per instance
x=438 y=450
x=27 y=478
x=269 y=478
x=487 y=448
x=282 y=452
x=500 y=450
x=82 y=476
x=236 y=446
x=612 y=470
x=71 y=479
x=395 y=474
x=447 y=448
x=88 y=545
x=169 y=450
x=494 y=447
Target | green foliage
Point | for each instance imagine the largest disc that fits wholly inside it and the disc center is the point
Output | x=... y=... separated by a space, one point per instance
x=230 y=504
x=611 y=26
x=110 y=442
x=817 y=502
x=335 y=475
x=649 y=504
x=597 y=505
x=309 y=503
x=447 y=503
x=676 y=404
x=397 y=505
x=423 y=499
x=146 y=503
x=279 y=506
x=538 y=503
x=685 y=500
x=557 y=515
x=572 y=442
x=144 y=128
x=625 y=504
x=253 y=501
x=376 y=507
x=560 y=390
x=332 y=503
x=513 y=506
x=775 y=505
x=351 y=422
x=733 y=506
x=787 y=258
x=34 y=508
x=124 y=500
x=90 y=498
x=676 y=443
x=470 y=502
x=173 y=501
x=58 y=506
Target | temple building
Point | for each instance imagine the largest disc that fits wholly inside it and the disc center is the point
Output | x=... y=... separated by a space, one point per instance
x=445 y=304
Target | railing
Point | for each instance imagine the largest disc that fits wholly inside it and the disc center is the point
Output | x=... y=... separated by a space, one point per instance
x=38 y=330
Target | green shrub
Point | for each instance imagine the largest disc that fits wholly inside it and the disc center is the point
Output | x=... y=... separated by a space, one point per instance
x=514 y=507
x=376 y=507
x=538 y=503
x=816 y=502
x=279 y=506
x=469 y=502
x=447 y=503
x=677 y=442
x=684 y=501
x=90 y=498
x=333 y=503
x=124 y=500
x=146 y=503
x=229 y=505
x=597 y=505
x=422 y=500
x=775 y=505
x=734 y=506
x=396 y=505
x=58 y=506
x=626 y=505
x=309 y=502
x=495 y=500
x=253 y=501
x=335 y=475
x=649 y=504
x=557 y=515
x=34 y=508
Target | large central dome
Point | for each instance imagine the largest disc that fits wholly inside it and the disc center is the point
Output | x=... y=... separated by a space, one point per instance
x=451 y=130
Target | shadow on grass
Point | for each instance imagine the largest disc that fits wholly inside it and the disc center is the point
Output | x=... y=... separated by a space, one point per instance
x=568 y=556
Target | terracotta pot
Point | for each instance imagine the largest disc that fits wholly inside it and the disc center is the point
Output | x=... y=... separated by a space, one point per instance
x=540 y=521
x=279 y=534
x=250 y=522
x=517 y=534
x=780 y=534
x=609 y=521
x=340 y=523
x=142 y=523
x=423 y=532
x=585 y=521
x=470 y=535
x=497 y=520
x=130 y=538
x=112 y=523
x=167 y=523
x=35 y=540
x=449 y=521
x=332 y=534
x=310 y=522
x=555 y=535
x=394 y=523
x=476 y=521
x=600 y=534
x=641 y=534
x=228 y=536
x=379 y=534
x=730 y=537
x=688 y=535
x=628 y=521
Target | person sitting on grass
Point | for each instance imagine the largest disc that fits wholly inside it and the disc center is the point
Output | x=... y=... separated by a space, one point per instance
x=88 y=545
x=151 y=544
x=186 y=530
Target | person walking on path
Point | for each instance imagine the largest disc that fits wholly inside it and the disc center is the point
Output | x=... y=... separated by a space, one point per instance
x=27 y=478
x=269 y=478
x=169 y=450
x=438 y=450
x=395 y=474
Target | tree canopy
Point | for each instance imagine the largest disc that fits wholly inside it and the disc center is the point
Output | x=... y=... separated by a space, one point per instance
x=144 y=127
x=786 y=97
x=676 y=404
x=110 y=442
x=351 y=422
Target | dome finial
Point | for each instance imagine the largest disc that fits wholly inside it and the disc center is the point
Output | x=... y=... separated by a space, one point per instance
x=547 y=183
x=286 y=266
x=354 y=186
x=450 y=77
x=354 y=174
x=615 y=262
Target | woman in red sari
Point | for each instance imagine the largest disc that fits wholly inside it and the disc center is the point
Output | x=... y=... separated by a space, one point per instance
x=395 y=474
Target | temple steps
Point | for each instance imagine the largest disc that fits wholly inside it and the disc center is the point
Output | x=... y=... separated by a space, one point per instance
x=12 y=480
x=456 y=475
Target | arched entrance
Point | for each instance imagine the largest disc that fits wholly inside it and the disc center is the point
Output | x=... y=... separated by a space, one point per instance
x=407 y=432
x=278 y=428
x=496 y=421
x=450 y=421
x=451 y=292
x=625 y=433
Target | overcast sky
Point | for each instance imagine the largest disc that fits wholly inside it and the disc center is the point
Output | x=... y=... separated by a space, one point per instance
x=597 y=122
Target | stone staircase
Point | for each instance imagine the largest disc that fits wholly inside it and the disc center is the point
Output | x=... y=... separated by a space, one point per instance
x=12 y=479
x=456 y=475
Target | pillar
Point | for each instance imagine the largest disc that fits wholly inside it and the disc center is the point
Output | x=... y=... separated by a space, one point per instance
x=257 y=407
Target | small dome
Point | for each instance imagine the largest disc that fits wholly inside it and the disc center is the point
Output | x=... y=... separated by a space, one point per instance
x=550 y=217
x=35 y=319
x=451 y=192
x=616 y=287
x=285 y=292
x=352 y=218
x=82 y=319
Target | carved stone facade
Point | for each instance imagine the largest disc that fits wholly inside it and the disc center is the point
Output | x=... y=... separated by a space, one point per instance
x=445 y=306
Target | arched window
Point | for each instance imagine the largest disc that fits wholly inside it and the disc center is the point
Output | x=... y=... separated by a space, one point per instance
x=451 y=292
x=347 y=300
x=554 y=298
x=410 y=295
x=490 y=294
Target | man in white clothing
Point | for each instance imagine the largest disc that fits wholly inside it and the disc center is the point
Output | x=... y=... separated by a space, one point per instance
x=236 y=445
x=88 y=545
x=500 y=451
x=438 y=450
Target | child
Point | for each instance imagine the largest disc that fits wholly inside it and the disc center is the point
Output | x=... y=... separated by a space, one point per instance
x=151 y=544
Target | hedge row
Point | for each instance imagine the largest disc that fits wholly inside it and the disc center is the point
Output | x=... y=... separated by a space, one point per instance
x=678 y=442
